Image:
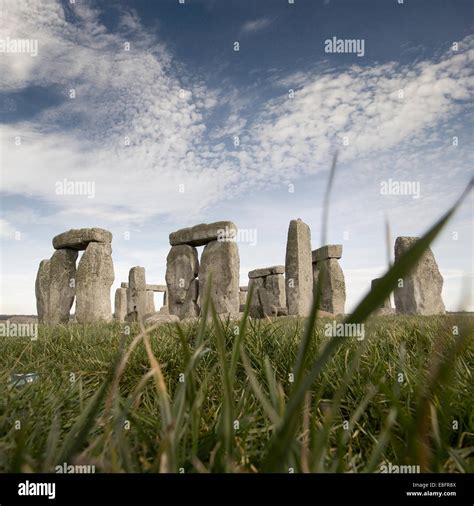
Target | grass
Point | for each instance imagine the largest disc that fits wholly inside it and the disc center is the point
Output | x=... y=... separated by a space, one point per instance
x=360 y=385
x=246 y=396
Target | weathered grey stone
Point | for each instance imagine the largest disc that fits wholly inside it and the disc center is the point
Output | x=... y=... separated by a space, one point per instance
x=190 y=308
x=265 y=305
x=275 y=287
x=242 y=297
x=78 y=239
x=160 y=318
x=244 y=288
x=182 y=267
x=150 y=302
x=164 y=310
x=422 y=287
x=201 y=234
x=333 y=286
x=42 y=292
x=328 y=251
x=299 y=276
x=266 y=271
x=55 y=287
x=121 y=305
x=255 y=309
x=151 y=288
x=137 y=301
x=385 y=303
x=222 y=261
x=94 y=278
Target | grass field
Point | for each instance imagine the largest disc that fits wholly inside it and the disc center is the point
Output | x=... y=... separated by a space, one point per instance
x=248 y=395
x=377 y=401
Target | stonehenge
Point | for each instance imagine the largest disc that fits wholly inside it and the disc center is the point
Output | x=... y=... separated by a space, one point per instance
x=298 y=271
x=134 y=300
x=276 y=290
x=204 y=233
x=419 y=292
x=182 y=266
x=269 y=294
x=329 y=278
x=55 y=287
x=220 y=266
x=188 y=279
x=94 y=279
x=58 y=282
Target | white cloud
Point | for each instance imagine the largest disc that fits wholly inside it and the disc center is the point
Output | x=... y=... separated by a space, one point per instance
x=176 y=144
x=257 y=25
x=7 y=230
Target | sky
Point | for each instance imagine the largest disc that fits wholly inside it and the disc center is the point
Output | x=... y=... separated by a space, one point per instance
x=164 y=114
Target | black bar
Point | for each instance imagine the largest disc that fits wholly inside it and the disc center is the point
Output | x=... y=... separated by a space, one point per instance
x=243 y=489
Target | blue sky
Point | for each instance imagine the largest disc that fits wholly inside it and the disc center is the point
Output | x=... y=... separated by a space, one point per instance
x=174 y=127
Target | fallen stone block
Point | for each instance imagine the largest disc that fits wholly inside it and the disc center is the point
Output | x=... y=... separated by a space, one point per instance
x=161 y=318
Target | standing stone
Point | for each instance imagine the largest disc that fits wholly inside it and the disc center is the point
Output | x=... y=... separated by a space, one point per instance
x=42 y=292
x=120 y=306
x=221 y=259
x=333 y=288
x=255 y=309
x=266 y=308
x=150 y=302
x=298 y=269
x=94 y=278
x=386 y=306
x=137 y=302
x=421 y=289
x=242 y=297
x=190 y=308
x=55 y=287
x=275 y=287
x=182 y=267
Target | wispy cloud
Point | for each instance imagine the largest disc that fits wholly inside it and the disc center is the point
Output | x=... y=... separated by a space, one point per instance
x=257 y=25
